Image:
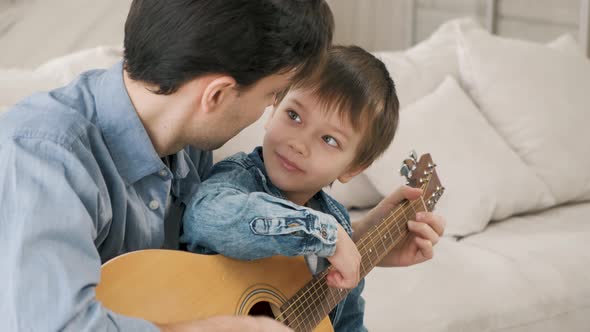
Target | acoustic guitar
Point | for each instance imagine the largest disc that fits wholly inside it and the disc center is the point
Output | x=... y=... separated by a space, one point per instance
x=166 y=286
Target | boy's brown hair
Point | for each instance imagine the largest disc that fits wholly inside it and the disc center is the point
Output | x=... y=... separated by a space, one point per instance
x=357 y=85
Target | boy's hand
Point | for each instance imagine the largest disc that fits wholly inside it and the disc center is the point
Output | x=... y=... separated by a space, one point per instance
x=346 y=263
x=424 y=232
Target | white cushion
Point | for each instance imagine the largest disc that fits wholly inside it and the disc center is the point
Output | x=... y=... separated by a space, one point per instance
x=538 y=100
x=420 y=69
x=484 y=179
x=416 y=72
x=566 y=43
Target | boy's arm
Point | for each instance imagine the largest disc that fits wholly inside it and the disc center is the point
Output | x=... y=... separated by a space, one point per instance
x=251 y=225
x=50 y=265
x=229 y=216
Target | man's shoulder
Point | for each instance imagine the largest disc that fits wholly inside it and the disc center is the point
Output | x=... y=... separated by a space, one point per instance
x=58 y=115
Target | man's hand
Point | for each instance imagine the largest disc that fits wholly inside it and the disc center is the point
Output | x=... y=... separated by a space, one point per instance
x=424 y=231
x=227 y=324
x=346 y=263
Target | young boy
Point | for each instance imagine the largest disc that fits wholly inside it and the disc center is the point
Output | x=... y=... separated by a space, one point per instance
x=271 y=202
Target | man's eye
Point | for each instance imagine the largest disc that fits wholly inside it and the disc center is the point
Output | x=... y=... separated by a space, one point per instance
x=294 y=116
x=330 y=140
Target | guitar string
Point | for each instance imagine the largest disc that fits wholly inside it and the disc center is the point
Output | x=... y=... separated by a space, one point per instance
x=396 y=213
x=370 y=236
x=383 y=254
x=378 y=228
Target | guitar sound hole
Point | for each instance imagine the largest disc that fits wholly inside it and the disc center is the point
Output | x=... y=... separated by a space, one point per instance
x=261 y=309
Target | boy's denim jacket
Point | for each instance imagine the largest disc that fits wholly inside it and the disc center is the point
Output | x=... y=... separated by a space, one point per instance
x=239 y=213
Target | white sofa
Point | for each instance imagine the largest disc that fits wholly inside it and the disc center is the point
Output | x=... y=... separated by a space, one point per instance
x=507 y=122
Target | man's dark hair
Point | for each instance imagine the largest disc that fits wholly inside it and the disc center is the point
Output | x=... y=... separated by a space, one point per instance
x=168 y=43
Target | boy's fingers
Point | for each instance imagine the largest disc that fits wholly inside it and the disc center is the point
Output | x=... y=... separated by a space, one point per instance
x=437 y=222
x=335 y=279
x=425 y=247
x=423 y=230
x=404 y=192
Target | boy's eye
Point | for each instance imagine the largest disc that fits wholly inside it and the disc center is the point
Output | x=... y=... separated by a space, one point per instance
x=294 y=116
x=330 y=140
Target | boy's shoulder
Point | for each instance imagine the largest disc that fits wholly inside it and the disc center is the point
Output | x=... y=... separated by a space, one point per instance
x=240 y=159
x=335 y=208
x=241 y=170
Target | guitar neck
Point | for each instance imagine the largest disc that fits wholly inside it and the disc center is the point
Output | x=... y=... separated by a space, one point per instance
x=381 y=239
x=314 y=301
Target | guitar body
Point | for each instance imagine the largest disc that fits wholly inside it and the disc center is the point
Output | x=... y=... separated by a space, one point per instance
x=166 y=286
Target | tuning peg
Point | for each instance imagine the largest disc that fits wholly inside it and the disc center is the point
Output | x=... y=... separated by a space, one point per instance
x=431 y=165
x=406 y=171
x=414 y=156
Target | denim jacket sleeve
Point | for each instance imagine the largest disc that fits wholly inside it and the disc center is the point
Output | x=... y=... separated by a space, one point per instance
x=230 y=216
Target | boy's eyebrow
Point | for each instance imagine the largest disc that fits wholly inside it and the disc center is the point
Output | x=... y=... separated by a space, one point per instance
x=338 y=130
x=332 y=127
x=299 y=104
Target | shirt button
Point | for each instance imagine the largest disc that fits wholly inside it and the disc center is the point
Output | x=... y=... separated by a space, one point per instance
x=324 y=232
x=163 y=173
x=154 y=204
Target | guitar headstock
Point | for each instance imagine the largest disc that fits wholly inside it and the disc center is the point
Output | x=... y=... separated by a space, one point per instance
x=422 y=174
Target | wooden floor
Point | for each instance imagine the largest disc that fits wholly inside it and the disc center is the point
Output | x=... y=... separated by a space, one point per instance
x=34 y=31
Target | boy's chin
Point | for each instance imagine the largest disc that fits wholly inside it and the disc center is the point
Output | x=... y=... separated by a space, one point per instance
x=285 y=182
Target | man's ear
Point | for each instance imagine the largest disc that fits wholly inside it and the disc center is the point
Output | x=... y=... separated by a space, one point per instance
x=348 y=175
x=218 y=91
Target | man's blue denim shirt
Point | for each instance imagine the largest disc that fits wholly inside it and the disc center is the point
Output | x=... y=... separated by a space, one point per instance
x=81 y=183
x=239 y=213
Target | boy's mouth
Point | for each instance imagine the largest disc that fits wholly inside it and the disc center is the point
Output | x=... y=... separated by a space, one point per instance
x=288 y=165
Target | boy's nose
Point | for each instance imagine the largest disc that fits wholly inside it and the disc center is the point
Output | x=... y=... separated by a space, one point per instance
x=298 y=147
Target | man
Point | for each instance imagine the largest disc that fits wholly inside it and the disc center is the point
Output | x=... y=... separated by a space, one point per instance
x=106 y=164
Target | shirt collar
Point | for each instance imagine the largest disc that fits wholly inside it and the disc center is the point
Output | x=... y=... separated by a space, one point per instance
x=126 y=138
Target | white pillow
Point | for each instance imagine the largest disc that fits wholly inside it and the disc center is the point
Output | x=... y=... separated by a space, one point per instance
x=484 y=179
x=566 y=43
x=416 y=72
x=420 y=69
x=538 y=100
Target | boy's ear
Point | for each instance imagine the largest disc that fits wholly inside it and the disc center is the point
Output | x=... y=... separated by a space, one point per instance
x=350 y=174
x=218 y=91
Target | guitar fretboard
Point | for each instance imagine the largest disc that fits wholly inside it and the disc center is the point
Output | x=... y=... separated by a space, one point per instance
x=305 y=310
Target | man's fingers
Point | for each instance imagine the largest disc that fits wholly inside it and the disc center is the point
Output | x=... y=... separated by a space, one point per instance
x=268 y=324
